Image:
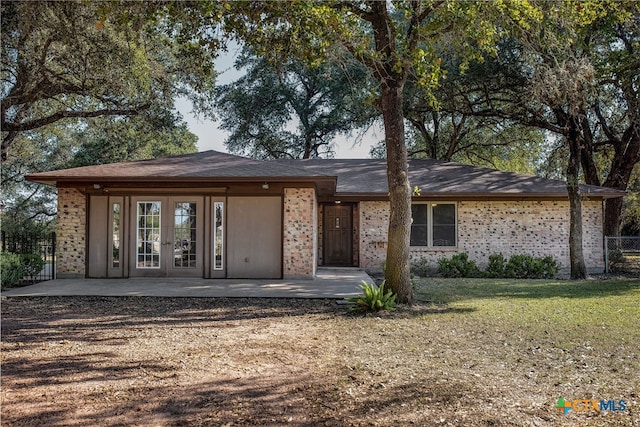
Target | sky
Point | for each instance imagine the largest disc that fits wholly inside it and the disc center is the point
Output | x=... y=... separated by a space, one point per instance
x=210 y=137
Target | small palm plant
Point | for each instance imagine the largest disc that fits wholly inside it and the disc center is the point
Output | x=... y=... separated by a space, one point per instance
x=373 y=298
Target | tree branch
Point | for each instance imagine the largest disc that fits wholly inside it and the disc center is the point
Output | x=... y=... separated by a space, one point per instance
x=34 y=124
x=603 y=123
x=417 y=19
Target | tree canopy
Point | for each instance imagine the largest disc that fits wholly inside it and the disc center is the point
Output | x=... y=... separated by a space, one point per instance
x=576 y=75
x=92 y=82
x=393 y=40
x=80 y=142
x=73 y=59
x=292 y=109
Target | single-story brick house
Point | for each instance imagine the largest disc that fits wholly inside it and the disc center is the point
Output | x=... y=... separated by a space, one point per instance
x=216 y=215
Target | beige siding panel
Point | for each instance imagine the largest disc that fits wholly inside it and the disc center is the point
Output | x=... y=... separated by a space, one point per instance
x=254 y=237
x=98 y=235
x=117 y=269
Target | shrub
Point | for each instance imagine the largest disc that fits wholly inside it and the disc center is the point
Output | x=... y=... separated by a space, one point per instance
x=528 y=267
x=549 y=267
x=495 y=269
x=11 y=269
x=32 y=264
x=420 y=268
x=616 y=259
x=517 y=267
x=616 y=256
x=458 y=265
x=373 y=298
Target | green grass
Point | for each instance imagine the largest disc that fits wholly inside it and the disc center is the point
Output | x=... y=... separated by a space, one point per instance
x=572 y=312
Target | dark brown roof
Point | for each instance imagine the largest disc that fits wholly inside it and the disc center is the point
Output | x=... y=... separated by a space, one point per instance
x=206 y=165
x=355 y=177
x=441 y=179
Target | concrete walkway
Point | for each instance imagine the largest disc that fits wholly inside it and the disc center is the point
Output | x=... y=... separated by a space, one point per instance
x=331 y=283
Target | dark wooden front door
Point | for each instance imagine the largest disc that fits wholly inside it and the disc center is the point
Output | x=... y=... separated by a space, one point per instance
x=337 y=235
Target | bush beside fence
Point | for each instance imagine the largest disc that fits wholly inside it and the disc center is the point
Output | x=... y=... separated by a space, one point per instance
x=27 y=257
x=622 y=254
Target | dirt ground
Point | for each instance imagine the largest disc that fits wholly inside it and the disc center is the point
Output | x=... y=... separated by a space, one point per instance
x=134 y=361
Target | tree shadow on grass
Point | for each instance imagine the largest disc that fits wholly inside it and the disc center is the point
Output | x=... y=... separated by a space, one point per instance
x=32 y=321
x=250 y=401
x=418 y=309
x=298 y=401
x=51 y=371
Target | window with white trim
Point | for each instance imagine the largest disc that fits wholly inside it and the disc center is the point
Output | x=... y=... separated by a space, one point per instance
x=148 y=235
x=218 y=236
x=115 y=235
x=434 y=224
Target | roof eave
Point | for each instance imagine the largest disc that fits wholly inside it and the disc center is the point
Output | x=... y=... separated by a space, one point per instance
x=55 y=180
x=479 y=196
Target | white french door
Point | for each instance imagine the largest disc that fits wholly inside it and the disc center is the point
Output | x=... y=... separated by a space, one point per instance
x=168 y=237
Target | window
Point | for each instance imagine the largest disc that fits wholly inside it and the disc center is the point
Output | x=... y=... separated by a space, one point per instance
x=433 y=224
x=218 y=236
x=148 y=235
x=419 y=225
x=184 y=235
x=444 y=224
x=115 y=235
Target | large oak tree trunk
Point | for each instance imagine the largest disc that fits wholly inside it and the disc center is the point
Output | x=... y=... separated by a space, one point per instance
x=397 y=274
x=626 y=156
x=612 y=217
x=392 y=81
x=576 y=255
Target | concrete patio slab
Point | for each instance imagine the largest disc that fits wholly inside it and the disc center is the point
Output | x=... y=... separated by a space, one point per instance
x=333 y=283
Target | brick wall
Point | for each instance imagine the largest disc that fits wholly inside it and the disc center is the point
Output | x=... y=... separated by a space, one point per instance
x=356 y=234
x=299 y=233
x=71 y=234
x=593 y=237
x=374 y=225
x=537 y=228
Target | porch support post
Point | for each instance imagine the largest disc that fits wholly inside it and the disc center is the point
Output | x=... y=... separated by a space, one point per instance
x=299 y=233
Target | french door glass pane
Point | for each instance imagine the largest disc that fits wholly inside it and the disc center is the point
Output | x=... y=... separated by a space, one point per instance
x=148 y=235
x=115 y=233
x=185 y=235
x=218 y=236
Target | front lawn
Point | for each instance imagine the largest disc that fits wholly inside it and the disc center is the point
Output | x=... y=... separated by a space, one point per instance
x=561 y=313
x=472 y=353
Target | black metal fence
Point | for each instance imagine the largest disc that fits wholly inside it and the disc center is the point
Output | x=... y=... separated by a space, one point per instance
x=43 y=244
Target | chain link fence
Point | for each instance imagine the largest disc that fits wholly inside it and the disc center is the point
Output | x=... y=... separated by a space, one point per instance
x=622 y=254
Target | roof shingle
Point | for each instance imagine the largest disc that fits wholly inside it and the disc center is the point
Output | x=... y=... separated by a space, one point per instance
x=435 y=177
x=354 y=176
x=206 y=164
